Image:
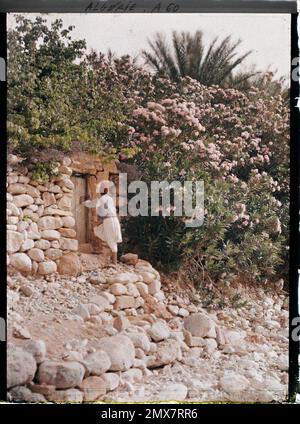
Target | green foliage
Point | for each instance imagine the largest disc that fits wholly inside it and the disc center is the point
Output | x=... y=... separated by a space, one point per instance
x=54 y=94
x=42 y=172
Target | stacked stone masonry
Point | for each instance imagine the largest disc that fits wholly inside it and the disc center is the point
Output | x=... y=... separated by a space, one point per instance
x=40 y=220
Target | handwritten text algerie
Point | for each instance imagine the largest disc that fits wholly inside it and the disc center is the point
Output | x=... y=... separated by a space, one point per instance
x=119 y=6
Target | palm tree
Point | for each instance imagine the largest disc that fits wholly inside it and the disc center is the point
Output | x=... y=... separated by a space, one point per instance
x=189 y=57
x=266 y=82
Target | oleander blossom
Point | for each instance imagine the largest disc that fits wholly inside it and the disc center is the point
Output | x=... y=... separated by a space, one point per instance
x=237 y=143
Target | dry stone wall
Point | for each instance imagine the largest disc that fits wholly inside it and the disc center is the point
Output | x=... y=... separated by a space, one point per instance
x=40 y=223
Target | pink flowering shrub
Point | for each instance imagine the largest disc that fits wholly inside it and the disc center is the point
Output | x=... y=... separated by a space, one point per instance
x=238 y=144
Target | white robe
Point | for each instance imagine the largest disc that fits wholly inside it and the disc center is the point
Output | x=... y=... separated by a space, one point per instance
x=110 y=230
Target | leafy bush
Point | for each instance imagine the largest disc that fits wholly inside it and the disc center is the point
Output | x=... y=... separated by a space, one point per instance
x=238 y=145
x=55 y=96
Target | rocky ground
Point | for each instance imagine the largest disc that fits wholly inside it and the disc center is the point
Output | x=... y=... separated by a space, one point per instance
x=122 y=334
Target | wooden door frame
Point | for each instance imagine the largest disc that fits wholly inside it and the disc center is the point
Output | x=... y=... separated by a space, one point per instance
x=86 y=189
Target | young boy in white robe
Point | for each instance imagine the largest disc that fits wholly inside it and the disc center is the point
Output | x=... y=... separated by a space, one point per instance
x=110 y=230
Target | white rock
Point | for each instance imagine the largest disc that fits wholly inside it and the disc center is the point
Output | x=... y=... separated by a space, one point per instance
x=42 y=244
x=97 y=363
x=33 y=232
x=112 y=380
x=27 y=244
x=160 y=296
x=37 y=348
x=154 y=286
x=142 y=288
x=36 y=254
x=16 y=188
x=14 y=241
x=69 y=244
x=132 y=375
x=49 y=223
x=21 y=332
x=50 y=234
x=109 y=297
x=67 y=183
x=11 y=227
x=68 y=221
x=210 y=346
x=183 y=312
x=132 y=290
x=22 y=225
x=62 y=375
x=21 y=262
x=121 y=351
x=53 y=254
x=140 y=340
x=159 y=331
x=167 y=352
x=47 y=267
x=123 y=278
x=200 y=325
x=21 y=366
x=12 y=220
x=13 y=208
x=102 y=303
x=118 y=289
x=23 y=200
x=174 y=309
x=65 y=203
x=148 y=277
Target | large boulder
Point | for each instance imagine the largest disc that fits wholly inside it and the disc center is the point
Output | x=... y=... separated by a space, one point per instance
x=47 y=267
x=118 y=289
x=112 y=380
x=69 y=244
x=49 y=223
x=200 y=325
x=68 y=221
x=159 y=331
x=21 y=366
x=14 y=241
x=124 y=302
x=21 y=262
x=140 y=340
x=70 y=265
x=16 y=188
x=102 y=302
x=50 y=234
x=62 y=375
x=23 y=200
x=121 y=351
x=36 y=254
x=123 y=278
x=37 y=348
x=168 y=351
x=97 y=363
